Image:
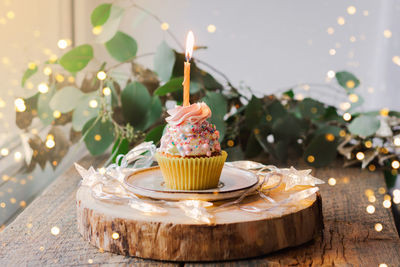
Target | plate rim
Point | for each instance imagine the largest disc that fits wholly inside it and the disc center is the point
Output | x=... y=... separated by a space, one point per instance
x=191 y=192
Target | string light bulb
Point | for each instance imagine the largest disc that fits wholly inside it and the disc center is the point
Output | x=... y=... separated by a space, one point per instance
x=106 y=91
x=378 y=228
x=101 y=75
x=62 y=44
x=43 y=88
x=395 y=164
x=211 y=28
x=370 y=209
x=4 y=152
x=387 y=33
x=351 y=10
x=55 y=230
x=164 y=26
x=396 y=141
x=20 y=105
x=50 y=143
x=347 y=116
x=47 y=71
x=97 y=30
x=360 y=155
x=93 y=103
x=341 y=21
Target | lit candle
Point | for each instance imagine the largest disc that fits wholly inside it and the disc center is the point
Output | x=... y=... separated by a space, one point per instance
x=186 y=79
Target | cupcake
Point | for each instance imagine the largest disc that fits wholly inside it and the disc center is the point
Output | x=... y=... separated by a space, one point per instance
x=190 y=155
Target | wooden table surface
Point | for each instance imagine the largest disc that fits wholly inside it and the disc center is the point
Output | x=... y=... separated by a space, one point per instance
x=349 y=238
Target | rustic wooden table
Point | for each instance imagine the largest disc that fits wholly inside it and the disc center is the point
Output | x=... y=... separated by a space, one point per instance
x=349 y=238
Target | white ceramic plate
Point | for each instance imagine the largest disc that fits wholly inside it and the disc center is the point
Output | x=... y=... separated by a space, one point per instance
x=150 y=183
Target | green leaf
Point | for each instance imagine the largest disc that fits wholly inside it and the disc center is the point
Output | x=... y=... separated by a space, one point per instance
x=364 y=125
x=288 y=127
x=253 y=112
x=289 y=93
x=322 y=150
x=347 y=80
x=275 y=111
x=100 y=14
x=99 y=135
x=155 y=134
x=164 y=61
x=154 y=112
x=253 y=148
x=311 y=109
x=217 y=103
x=120 y=147
x=77 y=58
x=28 y=73
x=136 y=101
x=66 y=99
x=83 y=112
x=234 y=153
x=122 y=47
x=110 y=27
x=45 y=112
x=172 y=85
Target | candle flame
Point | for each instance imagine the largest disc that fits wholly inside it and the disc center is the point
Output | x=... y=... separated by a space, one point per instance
x=189 y=45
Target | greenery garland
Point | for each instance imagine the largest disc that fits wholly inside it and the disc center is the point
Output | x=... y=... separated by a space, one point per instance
x=112 y=107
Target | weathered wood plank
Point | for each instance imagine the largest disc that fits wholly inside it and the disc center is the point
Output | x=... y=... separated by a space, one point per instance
x=349 y=238
x=28 y=240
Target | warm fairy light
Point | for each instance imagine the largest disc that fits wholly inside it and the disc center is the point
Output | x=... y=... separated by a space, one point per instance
x=347 y=116
x=332 y=52
x=106 y=91
x=395 y=164
x=360 y=155
x=211 y=28
x=101 y=75
x=369 y=192
x=13 y=200
x=20 y=105
x=370 y=209
x=90 y=261
x=59 y=78
x=351 y=10
x=71 y=79
x=330 y=74
x=164 y=26
x=381 y=190
x=55 y=230
x=341 y=21
x=310 y=158
x=93 y=103
x=53 y=58
x=43 y=88
x=372 y=199
x=350 y=84
x=330 y=30
x=4 y=152
x=41 y=248
x=378 y=228
x=331 y=181
x=10 y=14
x=329 y=137
x=396 y=141
x=62 y=44
x=22 y=204
x=365 y=12
x=368 y=144
x=299 y=97
x=342 y=133
x=386 y=204
x=352 y=39
x=384 y=112
x=115 y=235
x=32 y=65
x=230 y=143
x=353 y=98
x=268 y=117
x=50 y=143
x=17 y=156
x=396 y=60
x=47 y=71
x=387 y=197
x=97 y=30
x=387 y=33
x=3 y=205
x=97 y=137
x=189 y=45
x=56 y=114
x=306 y=87
x=102 y=170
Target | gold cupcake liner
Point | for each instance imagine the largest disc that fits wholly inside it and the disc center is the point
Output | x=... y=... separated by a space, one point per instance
x=191 y=173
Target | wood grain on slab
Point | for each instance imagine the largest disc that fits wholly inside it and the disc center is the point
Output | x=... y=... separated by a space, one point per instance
x=349 y=238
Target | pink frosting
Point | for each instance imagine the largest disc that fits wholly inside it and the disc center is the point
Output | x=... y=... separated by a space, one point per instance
x=195 y=113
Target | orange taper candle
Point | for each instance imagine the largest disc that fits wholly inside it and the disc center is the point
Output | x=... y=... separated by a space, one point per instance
x=186 y=72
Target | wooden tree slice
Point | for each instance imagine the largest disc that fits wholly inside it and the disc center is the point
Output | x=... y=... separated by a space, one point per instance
x=236 y=234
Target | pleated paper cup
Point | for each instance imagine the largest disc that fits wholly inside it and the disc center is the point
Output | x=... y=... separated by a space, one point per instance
x=193 y=173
